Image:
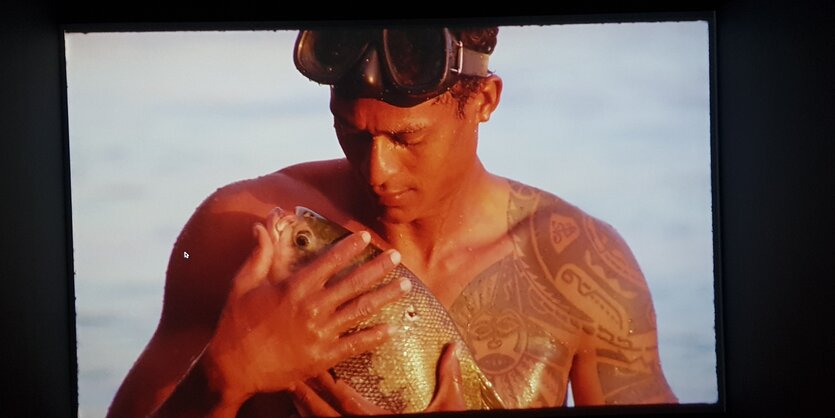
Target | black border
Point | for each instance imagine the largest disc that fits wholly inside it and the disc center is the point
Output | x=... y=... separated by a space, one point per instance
x=775 y=128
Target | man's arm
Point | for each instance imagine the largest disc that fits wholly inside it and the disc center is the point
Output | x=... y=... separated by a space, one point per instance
x=217 y=239
x=265 y=331
x=618 y=362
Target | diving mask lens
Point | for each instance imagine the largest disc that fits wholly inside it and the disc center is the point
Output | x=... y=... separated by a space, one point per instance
x=402 y=67
x=325 y=56
x=417 y=59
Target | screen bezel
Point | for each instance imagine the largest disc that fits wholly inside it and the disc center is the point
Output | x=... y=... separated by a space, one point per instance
x=774 y=114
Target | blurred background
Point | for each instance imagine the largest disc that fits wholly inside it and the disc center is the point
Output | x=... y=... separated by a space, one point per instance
x=613 y=118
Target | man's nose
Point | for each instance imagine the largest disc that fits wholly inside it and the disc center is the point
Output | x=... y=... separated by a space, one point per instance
x=382 y=161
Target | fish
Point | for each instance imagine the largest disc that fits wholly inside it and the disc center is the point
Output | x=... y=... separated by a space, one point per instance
x=398 y=376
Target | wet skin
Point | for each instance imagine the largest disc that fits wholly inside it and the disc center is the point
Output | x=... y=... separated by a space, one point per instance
x=542 y=292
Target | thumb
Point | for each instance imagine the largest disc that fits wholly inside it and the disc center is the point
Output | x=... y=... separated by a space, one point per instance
x=449 y=391
x=254 y=270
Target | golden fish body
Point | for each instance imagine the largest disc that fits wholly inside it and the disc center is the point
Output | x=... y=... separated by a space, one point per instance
x=398 y=376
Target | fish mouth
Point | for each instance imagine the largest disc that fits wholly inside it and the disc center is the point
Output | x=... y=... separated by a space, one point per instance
x=305 y=212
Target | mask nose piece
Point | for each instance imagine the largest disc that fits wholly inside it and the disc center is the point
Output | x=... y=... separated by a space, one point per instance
x=365 y=79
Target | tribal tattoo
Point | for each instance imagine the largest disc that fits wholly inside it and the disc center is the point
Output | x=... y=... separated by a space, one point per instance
x=569 y=283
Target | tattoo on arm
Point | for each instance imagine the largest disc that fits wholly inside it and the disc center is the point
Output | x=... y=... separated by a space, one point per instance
x=587 y=273
x=622 y=385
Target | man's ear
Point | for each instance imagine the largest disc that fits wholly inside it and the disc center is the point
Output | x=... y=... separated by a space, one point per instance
x=489 y=92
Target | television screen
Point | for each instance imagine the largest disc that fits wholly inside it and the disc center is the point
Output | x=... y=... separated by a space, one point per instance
x=613 y=118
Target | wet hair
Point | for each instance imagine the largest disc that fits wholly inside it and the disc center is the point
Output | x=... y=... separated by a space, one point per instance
x=479 y=39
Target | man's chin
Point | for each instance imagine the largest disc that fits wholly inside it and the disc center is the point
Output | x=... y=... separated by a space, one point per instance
x=394 y=215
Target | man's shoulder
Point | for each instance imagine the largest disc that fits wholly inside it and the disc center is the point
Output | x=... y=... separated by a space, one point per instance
x=287 y=187
x=584 y=258
x=230 y=211
x=534 y=205
x=564 y=228
x=317 y=172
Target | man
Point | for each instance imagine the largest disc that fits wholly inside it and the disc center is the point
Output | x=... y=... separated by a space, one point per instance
x=541 y=292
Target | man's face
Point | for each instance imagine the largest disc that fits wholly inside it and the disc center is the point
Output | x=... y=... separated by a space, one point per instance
x=412 y=160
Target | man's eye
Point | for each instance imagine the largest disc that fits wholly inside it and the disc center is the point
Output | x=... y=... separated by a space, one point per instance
x=351 y=134
x=408 y=138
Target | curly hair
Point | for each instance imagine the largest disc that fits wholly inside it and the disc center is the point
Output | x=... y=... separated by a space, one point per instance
x=479 y=39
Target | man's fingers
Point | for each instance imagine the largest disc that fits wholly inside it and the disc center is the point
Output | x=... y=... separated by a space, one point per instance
x=273 y=218
x=448 y=391
x=343 y=397
x=367 y=274
x=351 y=402
x=359 y=342
x=309 y=404
x=367 y=305
x=449 y=364
x=449 y=367
x=256 y=267
x=277 y=221
x=315 y=274
x=360 y=280
x=278 y=224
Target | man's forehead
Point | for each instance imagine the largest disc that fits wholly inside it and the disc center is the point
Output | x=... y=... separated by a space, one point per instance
x=373 y=114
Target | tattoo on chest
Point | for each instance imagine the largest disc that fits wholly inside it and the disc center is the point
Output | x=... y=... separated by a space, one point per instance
x=506 y=327
x=524 y=315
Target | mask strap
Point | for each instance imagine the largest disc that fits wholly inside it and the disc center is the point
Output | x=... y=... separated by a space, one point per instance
x=471 y=62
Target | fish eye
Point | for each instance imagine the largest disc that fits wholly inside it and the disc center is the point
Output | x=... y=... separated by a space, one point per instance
x=302 y=239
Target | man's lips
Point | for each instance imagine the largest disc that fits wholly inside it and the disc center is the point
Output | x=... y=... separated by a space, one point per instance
x=391 y=198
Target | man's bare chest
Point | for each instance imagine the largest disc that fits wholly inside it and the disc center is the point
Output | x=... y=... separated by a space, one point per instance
x=521 y=337
x=517 y=314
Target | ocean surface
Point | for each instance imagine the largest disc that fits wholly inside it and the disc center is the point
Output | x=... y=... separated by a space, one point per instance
x=613 y=118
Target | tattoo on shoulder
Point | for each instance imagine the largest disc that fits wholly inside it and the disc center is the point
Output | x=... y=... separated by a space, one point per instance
x=568 y=275
x=582 y=259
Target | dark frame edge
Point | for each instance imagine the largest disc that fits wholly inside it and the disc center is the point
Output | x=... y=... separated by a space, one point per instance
x=72 y=344
x=716 y=214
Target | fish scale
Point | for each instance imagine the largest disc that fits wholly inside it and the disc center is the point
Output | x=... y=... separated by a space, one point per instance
x=400 y=375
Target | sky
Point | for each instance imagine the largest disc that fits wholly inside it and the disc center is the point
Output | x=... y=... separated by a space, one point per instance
x=613 y=118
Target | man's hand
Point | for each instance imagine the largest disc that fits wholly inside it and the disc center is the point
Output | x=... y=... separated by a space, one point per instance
x=278 y=330
x=343 y=399
x=449 y=394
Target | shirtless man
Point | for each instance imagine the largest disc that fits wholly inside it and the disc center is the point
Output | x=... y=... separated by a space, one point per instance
x=543 y=293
